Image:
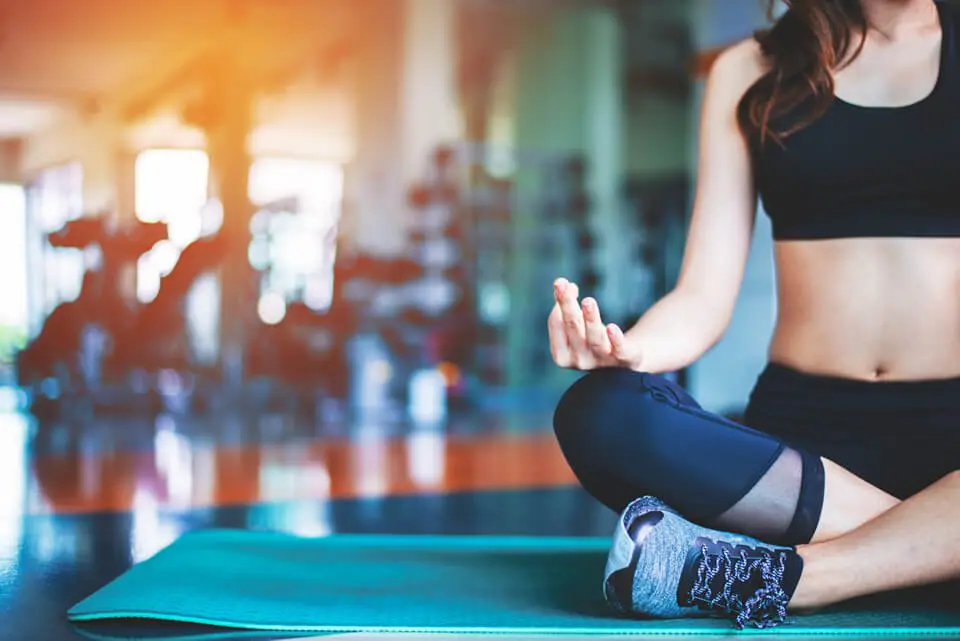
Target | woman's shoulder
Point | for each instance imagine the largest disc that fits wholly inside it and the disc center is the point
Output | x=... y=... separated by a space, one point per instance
x=738 y=66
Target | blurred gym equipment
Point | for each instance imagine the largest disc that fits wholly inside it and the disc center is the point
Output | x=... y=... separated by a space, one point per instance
x=86 y=347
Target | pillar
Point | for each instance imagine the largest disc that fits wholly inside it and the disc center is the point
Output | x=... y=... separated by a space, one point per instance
x=405 y=98
x=430 y=113
x=230 y=163
x=373 y=189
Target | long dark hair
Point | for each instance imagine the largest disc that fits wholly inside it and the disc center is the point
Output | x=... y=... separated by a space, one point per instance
x=802 y=49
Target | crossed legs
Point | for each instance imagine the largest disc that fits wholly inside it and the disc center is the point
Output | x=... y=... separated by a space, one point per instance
x=627 y=434
x=913 y=543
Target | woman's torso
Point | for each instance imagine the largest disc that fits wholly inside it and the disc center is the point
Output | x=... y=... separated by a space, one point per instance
x=865 y=206
x=870 y=309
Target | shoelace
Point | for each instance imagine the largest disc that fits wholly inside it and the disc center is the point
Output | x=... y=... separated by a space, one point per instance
x=764 y=608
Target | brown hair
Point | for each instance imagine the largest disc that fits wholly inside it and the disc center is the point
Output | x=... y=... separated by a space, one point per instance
x=802 y=49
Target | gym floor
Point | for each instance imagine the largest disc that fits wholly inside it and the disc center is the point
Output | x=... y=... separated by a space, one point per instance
x=84 y=500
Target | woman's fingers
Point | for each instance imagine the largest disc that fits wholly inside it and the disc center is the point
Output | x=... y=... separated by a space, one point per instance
x=596 y=333
x=559 y=347
x=578 y=337
x=573 y=322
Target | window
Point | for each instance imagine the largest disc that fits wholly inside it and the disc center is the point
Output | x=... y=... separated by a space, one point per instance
x=13 y=265
x=171 y=186
x=53 y=198
x=294 y=231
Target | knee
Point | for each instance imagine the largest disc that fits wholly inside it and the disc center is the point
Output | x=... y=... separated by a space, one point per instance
x=598 y=411
x=581 y=404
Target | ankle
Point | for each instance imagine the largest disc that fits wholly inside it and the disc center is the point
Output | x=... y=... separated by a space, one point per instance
x=804 y=597
x=818 y=584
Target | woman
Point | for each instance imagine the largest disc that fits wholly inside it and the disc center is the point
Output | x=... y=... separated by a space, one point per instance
x=844 y=117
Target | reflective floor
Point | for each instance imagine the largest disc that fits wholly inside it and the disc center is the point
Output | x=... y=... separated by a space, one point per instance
x=81 y=501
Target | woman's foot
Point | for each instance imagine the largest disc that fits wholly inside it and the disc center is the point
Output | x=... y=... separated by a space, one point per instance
x=661 y=565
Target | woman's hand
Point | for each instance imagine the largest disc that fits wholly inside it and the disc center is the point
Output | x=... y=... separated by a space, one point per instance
x=579 y=339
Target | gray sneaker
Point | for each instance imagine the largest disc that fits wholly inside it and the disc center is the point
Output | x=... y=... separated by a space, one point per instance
x=663 y=566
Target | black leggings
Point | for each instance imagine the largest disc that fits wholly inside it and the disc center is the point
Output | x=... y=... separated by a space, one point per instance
x=627 y=434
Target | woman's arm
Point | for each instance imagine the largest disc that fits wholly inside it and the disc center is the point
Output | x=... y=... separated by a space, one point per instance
x=688 y=321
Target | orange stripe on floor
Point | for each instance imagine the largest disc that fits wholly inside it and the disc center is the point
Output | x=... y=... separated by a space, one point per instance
x=180 y=475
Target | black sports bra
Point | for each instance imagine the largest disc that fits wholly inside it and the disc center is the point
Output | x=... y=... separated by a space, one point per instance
x=872 y=171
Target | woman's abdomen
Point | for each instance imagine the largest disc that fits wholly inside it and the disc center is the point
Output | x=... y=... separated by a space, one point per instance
x=869 y=309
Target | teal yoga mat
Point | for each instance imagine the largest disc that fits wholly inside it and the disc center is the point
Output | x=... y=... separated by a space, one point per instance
x=414 y=584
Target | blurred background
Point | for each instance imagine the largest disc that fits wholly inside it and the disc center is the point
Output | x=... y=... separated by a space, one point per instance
x=337 y=200
x=288 y=250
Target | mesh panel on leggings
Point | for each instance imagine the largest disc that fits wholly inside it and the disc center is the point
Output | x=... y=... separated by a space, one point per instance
x=767 y=510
